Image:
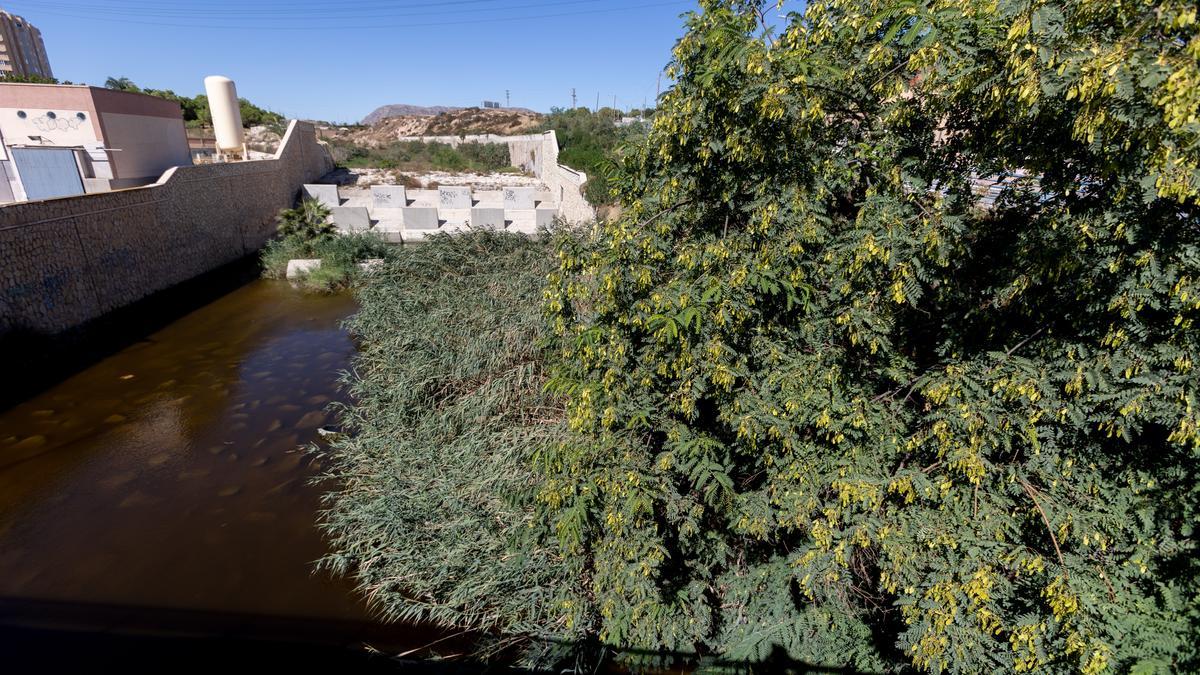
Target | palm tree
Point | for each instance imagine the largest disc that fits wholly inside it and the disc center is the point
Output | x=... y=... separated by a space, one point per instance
x=121 y=84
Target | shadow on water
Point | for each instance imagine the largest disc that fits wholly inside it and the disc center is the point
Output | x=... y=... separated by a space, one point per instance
x=34 y=361
x=57 y=637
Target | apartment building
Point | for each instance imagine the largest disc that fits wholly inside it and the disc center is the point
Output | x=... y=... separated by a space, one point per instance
x=22 y=51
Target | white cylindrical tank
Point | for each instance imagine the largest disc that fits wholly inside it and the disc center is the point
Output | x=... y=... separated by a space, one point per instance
x=226 y=112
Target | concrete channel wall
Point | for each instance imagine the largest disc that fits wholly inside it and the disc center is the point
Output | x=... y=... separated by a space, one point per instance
x=66 y=261
x=538 y=154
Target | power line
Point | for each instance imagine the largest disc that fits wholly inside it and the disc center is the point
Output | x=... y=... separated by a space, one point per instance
x=273 y=26
x=291 y=14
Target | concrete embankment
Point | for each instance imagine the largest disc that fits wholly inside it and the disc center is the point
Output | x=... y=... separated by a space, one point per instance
x=65 y=262
x=537 y=154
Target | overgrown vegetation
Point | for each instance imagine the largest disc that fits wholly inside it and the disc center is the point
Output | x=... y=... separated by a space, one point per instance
x=437 y=464
x=588 y=141
x=30 y=79
x=424 y=156
x=306 y=233
x=196 y=112
x=805 y=400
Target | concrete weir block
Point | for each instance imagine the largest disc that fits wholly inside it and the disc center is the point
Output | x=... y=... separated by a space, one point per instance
x=350 y=218
x=420 y=218
x=388 y=197
x=487 y=217
x=301 y=266
x=454 y=197
x=544 y=217
x=391 y=231
x=519 y=197
x=326 y=194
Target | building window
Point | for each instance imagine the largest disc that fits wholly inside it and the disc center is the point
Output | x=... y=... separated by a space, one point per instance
x=81 y=116
x=22 y=114
x=51 y=115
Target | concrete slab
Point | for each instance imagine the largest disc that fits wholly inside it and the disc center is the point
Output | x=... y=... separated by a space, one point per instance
x=420 y=218
x=519 y=197
x=523 y=227
x=417 y=236
x=544 y=217
x=302 y=266
x=488 y=217
x=454 y=197
x=490 y=198
x=350 y=218
x=388 y=197
x=326 y=194
x=387 y=214
x=391 y=231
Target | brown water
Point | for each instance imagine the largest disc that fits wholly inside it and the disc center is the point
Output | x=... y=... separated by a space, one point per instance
x=168 y=475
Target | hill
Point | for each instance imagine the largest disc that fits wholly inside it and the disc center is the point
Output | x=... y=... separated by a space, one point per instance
x=383 y=112
x=456 y=122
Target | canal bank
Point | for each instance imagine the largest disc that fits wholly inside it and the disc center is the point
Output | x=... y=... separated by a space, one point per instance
x=165 y=484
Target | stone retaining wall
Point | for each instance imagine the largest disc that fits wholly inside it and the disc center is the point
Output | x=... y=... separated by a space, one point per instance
x=538 y=154
x=66 y=261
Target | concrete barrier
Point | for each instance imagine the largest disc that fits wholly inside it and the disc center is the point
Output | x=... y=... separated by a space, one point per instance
x=538 y=154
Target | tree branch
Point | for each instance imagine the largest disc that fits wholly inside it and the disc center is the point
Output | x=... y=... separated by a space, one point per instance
x=1029 y=490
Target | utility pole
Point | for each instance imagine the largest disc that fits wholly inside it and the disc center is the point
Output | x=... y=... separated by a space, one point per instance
x=658 y=89
x=614 y=101
x=507 y=99
x=597 y=108
x=572 y=98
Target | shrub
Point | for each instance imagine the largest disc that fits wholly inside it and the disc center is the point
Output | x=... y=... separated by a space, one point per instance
x=589 y=142
x=820 y=405
x=423 y=156
x=306 y=232
x=308 y=223
x=831 y=409
x=432 y=507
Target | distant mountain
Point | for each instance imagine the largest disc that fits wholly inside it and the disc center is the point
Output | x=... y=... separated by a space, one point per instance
x=403 y=109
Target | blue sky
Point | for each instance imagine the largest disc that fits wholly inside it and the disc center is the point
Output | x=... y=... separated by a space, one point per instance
x=337 y=61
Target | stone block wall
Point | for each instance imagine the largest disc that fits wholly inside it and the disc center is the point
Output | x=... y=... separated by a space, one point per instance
x=66 y=261
x=538 y=154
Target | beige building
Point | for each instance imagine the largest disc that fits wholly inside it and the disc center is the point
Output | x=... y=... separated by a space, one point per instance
x=64 y=140
x=22 y=51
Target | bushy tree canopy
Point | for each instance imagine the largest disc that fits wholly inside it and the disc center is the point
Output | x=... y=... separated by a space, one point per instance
x=195 y=108
x=810 y=398
x=828 y=403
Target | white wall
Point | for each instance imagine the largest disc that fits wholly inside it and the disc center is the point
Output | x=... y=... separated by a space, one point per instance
x=65 y=129
x=144 y=146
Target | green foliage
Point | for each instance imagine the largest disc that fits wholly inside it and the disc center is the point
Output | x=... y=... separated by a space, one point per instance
x=309 y=222
x=819 y=404
x=432 y=510
x=827 y=405
x=423 y=156
x=29 y=79
x=339 y=255
x=588 y=141
x=195 y=109
x=306 y=232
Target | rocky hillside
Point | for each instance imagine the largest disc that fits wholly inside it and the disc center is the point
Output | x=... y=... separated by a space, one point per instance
x=457 y=122
x=404 y=110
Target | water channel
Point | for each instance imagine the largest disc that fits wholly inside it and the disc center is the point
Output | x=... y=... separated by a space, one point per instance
x=165 y=484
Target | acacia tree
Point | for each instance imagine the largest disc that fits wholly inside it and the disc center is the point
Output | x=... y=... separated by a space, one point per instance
x=827 y=404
